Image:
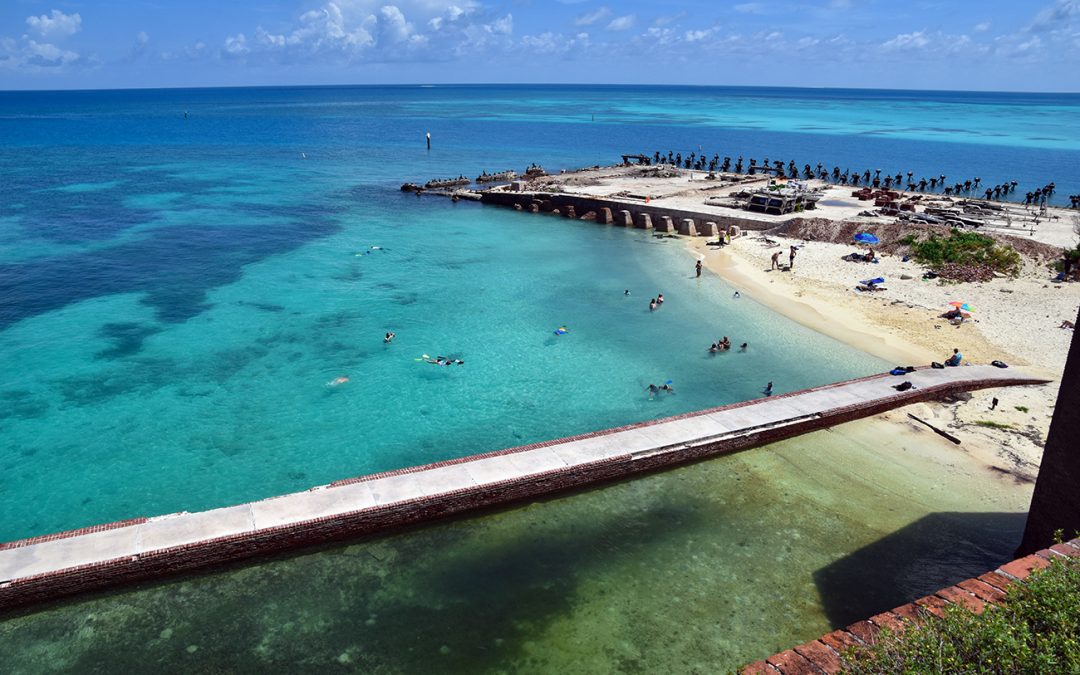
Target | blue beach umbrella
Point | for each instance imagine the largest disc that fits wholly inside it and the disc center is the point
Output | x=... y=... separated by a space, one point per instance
x=866 y=238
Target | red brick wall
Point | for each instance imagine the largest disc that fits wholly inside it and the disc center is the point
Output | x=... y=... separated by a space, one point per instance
x=823 y=655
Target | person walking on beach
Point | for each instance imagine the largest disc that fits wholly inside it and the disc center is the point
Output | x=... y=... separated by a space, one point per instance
x=776 y=260
x=697 y=268
x=791 y=258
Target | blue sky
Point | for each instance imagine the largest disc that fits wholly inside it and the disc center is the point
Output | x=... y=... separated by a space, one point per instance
x=1029 y=45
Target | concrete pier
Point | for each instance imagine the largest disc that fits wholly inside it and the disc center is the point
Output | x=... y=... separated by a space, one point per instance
x=626 y=219
x=709 y=230
x=43 y=568
x=687 y=228
x=665 y=225
x=644 y=221
x=605 y=216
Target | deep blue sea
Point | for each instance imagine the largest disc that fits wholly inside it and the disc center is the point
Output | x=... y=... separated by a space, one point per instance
x=184 y=273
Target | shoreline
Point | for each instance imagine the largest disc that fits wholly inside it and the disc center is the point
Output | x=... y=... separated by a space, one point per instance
x=900 y=329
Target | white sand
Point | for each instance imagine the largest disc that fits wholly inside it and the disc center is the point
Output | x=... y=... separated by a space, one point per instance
x=1015 y=320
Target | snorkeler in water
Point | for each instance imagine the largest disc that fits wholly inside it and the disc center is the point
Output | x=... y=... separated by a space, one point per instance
x=389 y=337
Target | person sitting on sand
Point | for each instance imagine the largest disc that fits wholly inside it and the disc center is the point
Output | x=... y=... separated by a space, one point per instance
x=869 y=257
x=1067 y=324
x=955 y=359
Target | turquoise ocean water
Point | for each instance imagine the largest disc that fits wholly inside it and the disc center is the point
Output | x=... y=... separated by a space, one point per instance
x=177 y=293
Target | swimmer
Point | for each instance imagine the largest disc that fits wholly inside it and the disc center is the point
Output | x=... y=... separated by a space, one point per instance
x=714 y=348
x=768 y=389
x=389 y=337
x=652 y=305
x=659 y=298
x=337 y=381
x=742 y=347
x=656 y=389
x=626 y=292
x=736 y=296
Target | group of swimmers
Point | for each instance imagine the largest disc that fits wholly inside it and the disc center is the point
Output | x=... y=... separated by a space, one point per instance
x=654 y=390
x=655 y=302
x=724 y=345
x=442 y=361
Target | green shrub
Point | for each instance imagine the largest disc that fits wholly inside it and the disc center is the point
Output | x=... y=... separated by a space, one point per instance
x=1021 y=408
x=1035 y=629
x=992 y=425
x=965 y=248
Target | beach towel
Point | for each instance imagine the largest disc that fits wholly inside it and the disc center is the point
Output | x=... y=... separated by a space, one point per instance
x=878 y=280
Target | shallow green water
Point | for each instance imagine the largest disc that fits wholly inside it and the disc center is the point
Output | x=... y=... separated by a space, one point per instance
x=699 y=569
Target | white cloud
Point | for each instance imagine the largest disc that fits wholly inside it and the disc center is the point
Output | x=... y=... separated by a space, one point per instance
x=750 y=8
x=698 y=35
x=622 y=22
x=981 y=27
x=590 y=18
x=236 y=45
x=55 y=25
x=1055 y=17
x=916 y=40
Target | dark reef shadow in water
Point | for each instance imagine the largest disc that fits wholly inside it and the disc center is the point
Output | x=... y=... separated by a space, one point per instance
x=444 y=598
x=174 y=267
x=21 y=404
x=127 y=337
x=932 y=553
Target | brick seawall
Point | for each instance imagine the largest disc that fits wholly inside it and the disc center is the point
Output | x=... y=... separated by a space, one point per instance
x=823 y=656
x=52 y=566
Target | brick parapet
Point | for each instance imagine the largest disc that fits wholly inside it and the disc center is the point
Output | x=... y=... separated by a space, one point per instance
x=822 y=656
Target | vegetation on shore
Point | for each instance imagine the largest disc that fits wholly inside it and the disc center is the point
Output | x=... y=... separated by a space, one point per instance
x=1035 y=629
x=969 y=250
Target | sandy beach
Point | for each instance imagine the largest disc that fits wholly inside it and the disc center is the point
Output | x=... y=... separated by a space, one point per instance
x=1015 y=320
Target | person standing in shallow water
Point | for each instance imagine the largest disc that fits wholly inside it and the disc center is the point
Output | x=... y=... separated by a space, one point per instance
x=697 y=268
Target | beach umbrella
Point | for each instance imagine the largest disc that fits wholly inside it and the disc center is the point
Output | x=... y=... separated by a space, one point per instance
x=866 y=238
x=962 y=306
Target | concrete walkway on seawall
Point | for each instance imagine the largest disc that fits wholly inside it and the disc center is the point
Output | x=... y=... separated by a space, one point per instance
x=43 y=568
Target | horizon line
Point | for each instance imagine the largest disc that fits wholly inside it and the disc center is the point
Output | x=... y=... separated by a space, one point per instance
x=432 y=85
